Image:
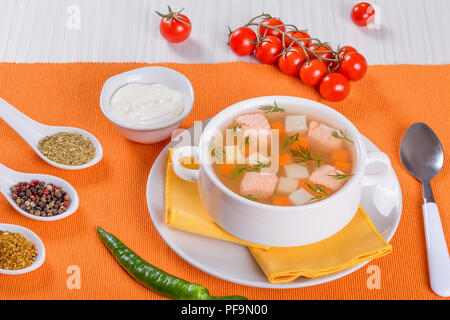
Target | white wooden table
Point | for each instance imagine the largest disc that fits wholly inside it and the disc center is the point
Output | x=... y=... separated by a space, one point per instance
x=411 y=31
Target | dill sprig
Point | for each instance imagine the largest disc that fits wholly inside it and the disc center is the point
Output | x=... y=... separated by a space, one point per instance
x=303 y=154
x=341 y=135
x=250 y=197
x=340 y=176
x=318 y=190
x=271 y=109
x=289 y=141
x=236 y=128
x=216 y=152
x=237 y=170
x=318 y=161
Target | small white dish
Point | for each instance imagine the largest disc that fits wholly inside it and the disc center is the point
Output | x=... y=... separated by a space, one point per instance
x=233 y=262
x=168 y=77
x=30 y=236
x=33 y=132
x=9 y=178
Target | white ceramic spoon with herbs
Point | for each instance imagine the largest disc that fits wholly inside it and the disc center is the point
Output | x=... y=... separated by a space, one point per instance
x=10 y=178
x=34 y=132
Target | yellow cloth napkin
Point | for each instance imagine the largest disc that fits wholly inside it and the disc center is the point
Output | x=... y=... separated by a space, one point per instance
x=359 y=241
x=185 y=211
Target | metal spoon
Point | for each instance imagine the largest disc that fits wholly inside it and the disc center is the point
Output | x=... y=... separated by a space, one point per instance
x=32 y=132
x=423 y=157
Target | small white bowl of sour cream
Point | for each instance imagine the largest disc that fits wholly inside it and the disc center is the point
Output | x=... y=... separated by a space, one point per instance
x=147 y=104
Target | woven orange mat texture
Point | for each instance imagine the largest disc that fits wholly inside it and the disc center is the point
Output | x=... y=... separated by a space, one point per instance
x=112 y=194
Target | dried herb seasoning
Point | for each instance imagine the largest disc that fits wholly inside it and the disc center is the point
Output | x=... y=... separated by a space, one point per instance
x=67 y=148
x=16 y=252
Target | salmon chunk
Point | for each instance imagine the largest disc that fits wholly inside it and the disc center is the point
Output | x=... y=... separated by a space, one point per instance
x=322 y=176
x=254 y=124
x=321 y=134
x=259 y=185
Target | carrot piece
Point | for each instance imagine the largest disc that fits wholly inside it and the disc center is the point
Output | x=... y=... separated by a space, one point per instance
x=340 y=155
x=281 y=201
x=302 y=141
x=280 y=127
x=302 y=184
x=246 y=150
x=343 y=166
x=284 y=159
x=225 y=169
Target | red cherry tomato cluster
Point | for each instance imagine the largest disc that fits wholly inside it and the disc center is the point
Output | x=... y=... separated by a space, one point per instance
x=298 y=54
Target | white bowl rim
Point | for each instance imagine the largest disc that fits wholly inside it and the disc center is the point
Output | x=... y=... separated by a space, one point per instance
x=355 y=135
x=104 y=101
x=37 y=241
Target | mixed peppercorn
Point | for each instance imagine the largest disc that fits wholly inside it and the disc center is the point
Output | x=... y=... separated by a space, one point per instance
x=40 y=199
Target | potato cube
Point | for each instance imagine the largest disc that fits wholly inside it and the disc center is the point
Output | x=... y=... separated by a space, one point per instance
x=296 y=171
x=295 y=124
x=233 y=155
x=286 y=185
x=255 y=157
x=299 y=197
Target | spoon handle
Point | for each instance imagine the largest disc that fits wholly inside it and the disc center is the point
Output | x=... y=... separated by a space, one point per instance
x=438 y=257
x=26 y=127
x=5 y=178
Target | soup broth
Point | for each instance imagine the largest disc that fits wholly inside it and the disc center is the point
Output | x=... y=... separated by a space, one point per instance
x=282 y=158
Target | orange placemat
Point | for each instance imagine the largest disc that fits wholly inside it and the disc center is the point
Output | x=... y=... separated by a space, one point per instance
x=112 y=193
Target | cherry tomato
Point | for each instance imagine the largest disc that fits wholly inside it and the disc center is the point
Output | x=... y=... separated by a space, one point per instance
x=174 y=26
x=354 y=66
x=269 y=49
x=334 y=87
x=322 y=51
x=291 y=61
x=297 y=35
x=335 y=65
x=344 y=50
x=312 y=72
x=243 y=41
x=363 y=14
x=271 y=32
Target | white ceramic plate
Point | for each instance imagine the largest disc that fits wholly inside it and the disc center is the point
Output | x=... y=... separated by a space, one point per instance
x=232 y=262
x=30 y=236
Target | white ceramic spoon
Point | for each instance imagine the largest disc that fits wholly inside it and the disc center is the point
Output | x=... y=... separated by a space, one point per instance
x=30 y=236
x=9 y=178
x=32 y=132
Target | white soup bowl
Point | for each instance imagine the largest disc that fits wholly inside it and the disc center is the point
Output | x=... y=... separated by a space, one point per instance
x=280 y=226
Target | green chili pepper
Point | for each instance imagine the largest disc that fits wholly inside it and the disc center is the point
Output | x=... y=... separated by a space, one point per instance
x=154 y=278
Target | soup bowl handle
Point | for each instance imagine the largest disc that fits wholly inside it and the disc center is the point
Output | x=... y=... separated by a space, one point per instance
x=181 y=171
x=376 y=178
